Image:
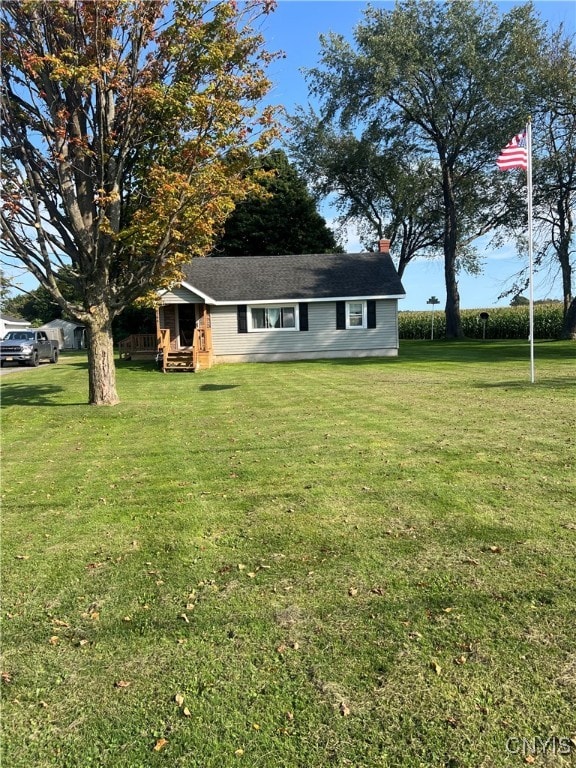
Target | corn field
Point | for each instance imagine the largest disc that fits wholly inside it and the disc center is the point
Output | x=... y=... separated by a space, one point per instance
x=502 y=323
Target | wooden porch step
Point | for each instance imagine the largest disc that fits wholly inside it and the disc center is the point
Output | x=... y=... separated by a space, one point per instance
x=146 y=355
x=179 y=361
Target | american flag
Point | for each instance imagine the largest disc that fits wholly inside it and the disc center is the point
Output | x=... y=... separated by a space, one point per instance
x=514 y=154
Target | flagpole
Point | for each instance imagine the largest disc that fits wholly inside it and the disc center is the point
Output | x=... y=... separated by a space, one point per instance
x=530 y=247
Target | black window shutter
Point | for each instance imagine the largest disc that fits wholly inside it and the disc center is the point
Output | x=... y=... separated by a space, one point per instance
x=371 y=307
x=340 y=315
x=303 y=311
x=242 y=319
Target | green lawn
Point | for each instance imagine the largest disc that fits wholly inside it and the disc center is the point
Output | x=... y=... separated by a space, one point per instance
x=339 y=563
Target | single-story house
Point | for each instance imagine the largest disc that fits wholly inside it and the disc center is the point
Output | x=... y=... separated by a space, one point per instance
x=9 y=323
x=269 y=308
x=71 y=335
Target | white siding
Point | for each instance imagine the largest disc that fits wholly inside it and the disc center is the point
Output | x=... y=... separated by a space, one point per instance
x=70 y=335
x=13 y=325
x=321 y=340
x=180 y=295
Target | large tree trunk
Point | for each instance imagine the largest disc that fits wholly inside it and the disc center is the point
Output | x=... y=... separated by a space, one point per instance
x=101 y=369
x=452 y=309
x=569 y=325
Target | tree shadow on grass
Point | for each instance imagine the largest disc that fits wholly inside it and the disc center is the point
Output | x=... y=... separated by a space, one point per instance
x=216 y=387
x=32 y=394
x=83 y=366
x=547 y=383
x=137 y=365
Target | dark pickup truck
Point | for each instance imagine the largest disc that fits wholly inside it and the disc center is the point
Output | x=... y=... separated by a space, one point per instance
x=28 y=348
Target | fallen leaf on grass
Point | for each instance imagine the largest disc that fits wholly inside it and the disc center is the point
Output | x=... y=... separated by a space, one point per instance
x=186 y=712
x=160 y=744
x=377 y=591
x=344 y=709
x=60 y=623
x=54 y=640
x=6 y=677
x=22 y=557
x=239 y=752
x=452 y=721
x=185 y=618
x=353 y=591
x=179 y=699
x=436 y=667
x=121 y=684
x=530 y=759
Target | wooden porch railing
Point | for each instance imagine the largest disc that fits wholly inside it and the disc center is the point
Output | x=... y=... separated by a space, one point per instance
x=203 y=341
x=163 y=344
x=195 y=348
x=137 y=343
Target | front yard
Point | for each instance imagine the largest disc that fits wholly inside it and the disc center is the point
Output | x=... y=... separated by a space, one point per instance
x=342 y=563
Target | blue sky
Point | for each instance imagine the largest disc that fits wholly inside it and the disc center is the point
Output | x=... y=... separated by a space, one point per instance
x=295 y=28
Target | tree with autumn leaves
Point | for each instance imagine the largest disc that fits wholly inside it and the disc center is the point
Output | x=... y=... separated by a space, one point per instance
x=128 y=126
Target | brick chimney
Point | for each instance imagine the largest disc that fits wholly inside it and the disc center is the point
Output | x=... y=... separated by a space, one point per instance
x=383 y=246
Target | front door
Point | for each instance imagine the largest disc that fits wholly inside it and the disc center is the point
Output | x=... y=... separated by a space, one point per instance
x=186 y=324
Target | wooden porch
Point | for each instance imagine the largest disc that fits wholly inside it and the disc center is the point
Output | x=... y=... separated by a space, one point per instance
x=178 y=351
x=193 y=358
x=138 y=346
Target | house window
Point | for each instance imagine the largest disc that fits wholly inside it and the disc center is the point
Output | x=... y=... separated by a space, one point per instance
x=356 y=314
x=275 y=317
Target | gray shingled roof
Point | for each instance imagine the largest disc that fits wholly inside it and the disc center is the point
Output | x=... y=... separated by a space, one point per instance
x=11 y=319
x=243 y=279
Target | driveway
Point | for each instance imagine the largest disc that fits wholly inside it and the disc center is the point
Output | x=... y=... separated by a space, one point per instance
x=12 y=367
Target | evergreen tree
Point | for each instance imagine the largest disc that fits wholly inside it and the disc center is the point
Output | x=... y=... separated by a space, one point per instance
x=281 y=220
